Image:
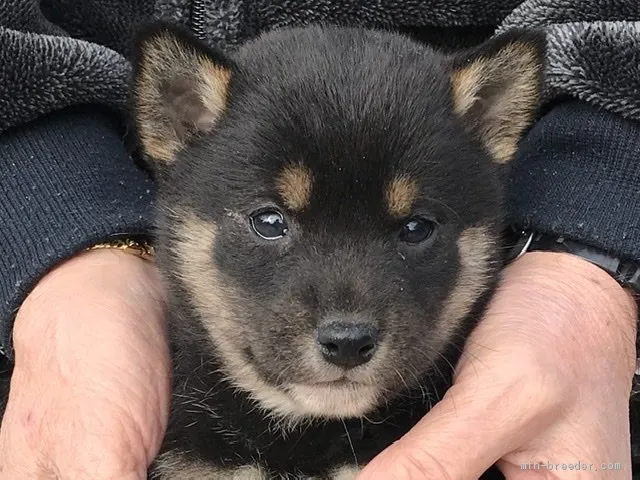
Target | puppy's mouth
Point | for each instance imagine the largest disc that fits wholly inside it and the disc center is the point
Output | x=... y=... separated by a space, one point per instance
x=337 y=399
x=340 y=381
x=332 y=390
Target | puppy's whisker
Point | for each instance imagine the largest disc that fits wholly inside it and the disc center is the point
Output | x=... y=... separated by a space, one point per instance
x=353 y=451
x=447 y=361
x=418 y=382
x=401 y=379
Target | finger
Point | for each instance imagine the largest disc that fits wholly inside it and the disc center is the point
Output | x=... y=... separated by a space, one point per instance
x=465 y=433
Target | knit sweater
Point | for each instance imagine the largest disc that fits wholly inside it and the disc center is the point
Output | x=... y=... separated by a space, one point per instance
x=67 y=179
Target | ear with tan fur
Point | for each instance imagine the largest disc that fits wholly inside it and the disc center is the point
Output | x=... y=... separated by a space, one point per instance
x=496 y=90
x=180 y=90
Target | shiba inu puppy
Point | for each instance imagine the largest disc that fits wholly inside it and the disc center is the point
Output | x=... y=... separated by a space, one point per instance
x=329 y=223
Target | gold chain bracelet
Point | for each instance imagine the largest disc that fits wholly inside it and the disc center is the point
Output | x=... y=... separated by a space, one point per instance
x=138 y=248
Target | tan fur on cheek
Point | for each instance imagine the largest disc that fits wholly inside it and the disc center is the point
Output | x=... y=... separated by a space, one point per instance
x=401 y=194
x=294 y=186
x=211 y=297
x=475 y=247
x=175 y=465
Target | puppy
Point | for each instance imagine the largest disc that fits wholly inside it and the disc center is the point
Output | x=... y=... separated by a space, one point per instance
x=330 y=210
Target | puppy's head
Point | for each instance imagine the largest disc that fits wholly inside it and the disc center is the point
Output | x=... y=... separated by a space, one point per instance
x=330 y=203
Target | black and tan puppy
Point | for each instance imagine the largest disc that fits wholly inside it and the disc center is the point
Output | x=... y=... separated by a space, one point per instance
x=330 y=210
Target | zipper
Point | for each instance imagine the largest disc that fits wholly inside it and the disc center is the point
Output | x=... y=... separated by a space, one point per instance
x=197 y=18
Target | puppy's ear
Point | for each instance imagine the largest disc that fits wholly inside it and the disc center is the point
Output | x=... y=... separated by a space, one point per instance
x=496 y=89
x=180 y=90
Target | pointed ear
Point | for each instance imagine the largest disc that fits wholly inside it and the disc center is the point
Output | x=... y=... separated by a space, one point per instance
x=180 y=90
x=496 y=90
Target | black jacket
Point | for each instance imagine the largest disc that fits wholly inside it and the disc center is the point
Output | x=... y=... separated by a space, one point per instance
x=67 y=180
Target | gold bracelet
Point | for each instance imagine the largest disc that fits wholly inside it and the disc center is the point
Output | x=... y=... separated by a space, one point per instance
x=140 y=249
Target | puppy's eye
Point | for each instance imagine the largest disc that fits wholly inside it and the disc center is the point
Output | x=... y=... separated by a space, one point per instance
x=269 y=224
x=417 y=230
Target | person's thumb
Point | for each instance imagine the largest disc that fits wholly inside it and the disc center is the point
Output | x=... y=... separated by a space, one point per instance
x=464 y=434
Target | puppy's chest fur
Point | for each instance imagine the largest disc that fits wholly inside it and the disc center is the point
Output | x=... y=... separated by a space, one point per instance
x=218 y=432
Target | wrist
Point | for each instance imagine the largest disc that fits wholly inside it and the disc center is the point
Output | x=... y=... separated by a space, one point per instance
x=579 y=280
x=93 y=276
x=587 y=308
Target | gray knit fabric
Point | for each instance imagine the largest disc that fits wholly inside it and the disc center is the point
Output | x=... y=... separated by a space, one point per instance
x=594 y=49
x=59 y=53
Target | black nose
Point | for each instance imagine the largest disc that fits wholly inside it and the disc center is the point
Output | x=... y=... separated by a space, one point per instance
x=347 y=345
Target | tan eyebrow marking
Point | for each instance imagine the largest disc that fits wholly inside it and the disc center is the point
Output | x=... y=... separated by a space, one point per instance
x=294 y=186
x=401 y=194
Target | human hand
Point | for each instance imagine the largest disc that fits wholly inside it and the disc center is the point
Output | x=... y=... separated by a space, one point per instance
x=90 y=389
x=546 y=377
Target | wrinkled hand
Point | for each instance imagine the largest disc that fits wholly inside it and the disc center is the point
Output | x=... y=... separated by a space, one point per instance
x=546 y=377
x=90 y=389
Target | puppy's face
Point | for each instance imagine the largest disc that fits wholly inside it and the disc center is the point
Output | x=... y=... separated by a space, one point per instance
x=330 y=201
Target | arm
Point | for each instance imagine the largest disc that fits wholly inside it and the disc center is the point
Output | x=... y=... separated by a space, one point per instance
x=66 y=180
x=67 y=183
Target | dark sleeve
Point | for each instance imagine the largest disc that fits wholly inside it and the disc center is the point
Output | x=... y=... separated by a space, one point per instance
x=66 y=182
x=577 y=174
